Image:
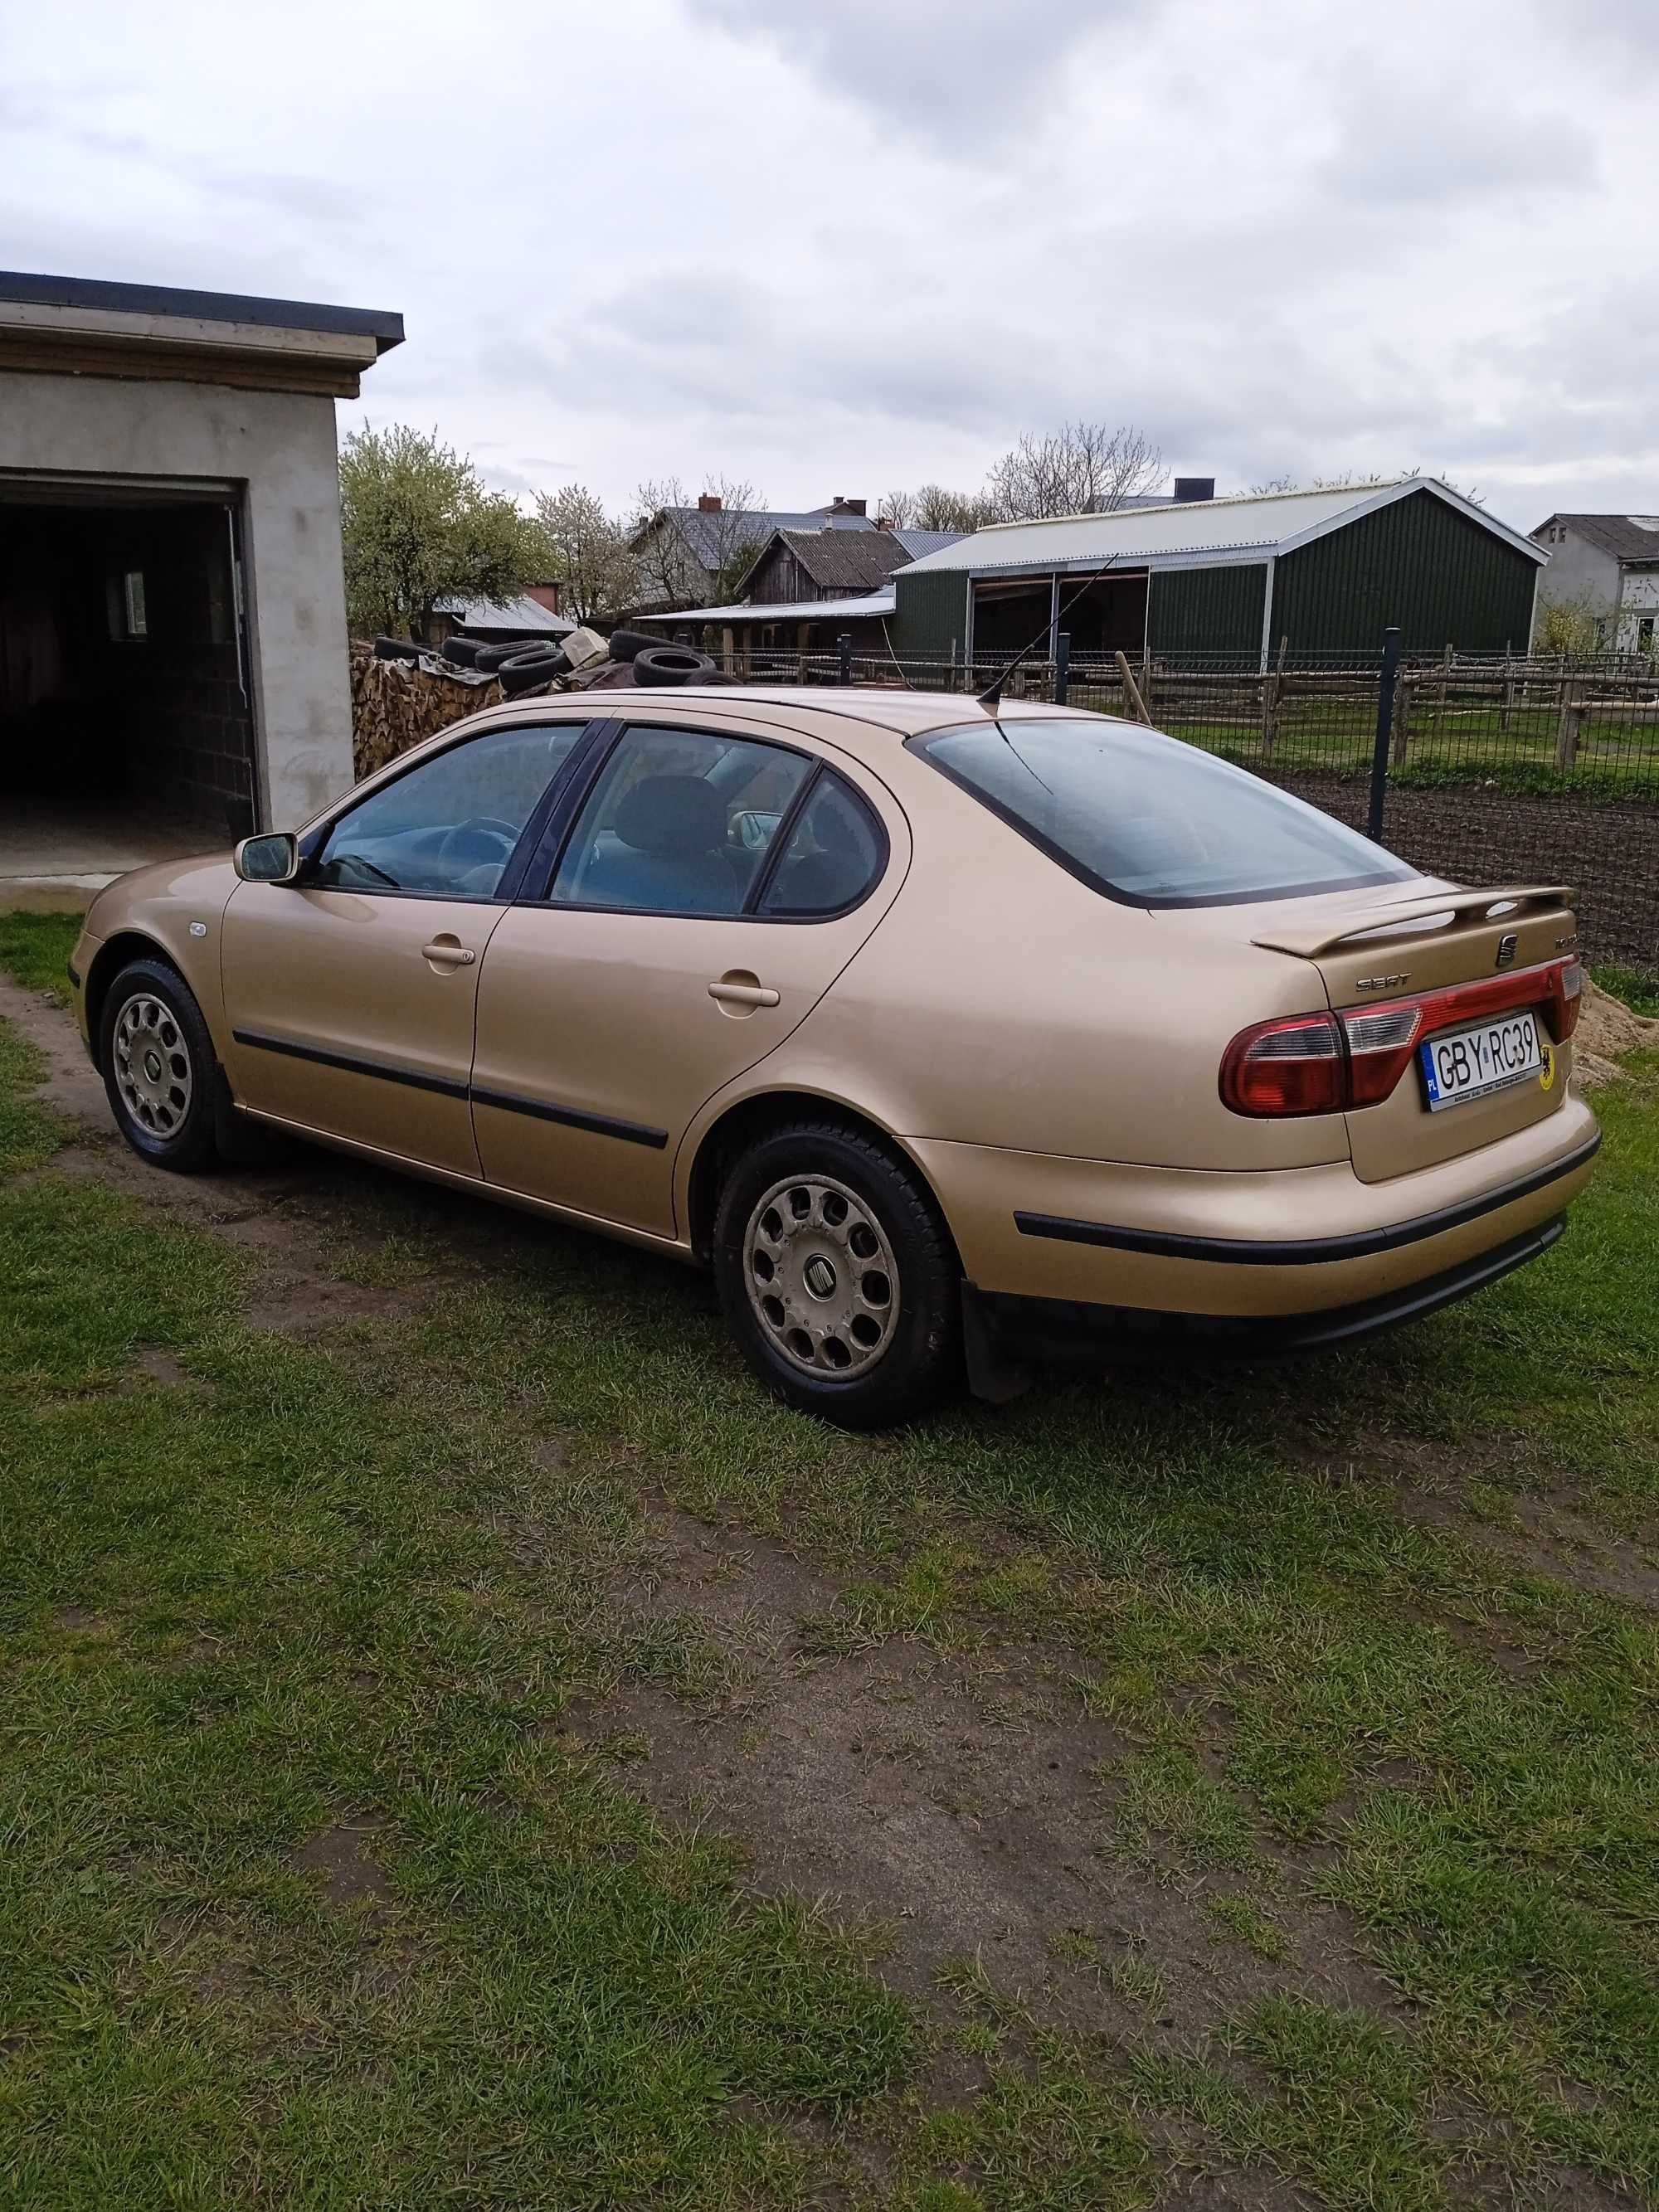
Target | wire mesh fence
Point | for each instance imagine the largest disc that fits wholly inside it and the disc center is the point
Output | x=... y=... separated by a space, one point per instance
x=1498 y=767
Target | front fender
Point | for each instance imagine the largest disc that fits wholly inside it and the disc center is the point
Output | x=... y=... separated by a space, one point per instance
x=174 y=907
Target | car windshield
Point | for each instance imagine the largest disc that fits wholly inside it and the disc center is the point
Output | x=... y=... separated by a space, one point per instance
x=1147 y=819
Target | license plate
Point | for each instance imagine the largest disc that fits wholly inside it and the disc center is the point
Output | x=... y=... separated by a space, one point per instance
x=1472 y=1063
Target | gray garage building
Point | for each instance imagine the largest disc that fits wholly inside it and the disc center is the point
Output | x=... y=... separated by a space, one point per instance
x=1224 y=580
x=173 y=646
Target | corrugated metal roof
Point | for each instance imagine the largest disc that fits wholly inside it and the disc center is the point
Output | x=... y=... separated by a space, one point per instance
x=843 y=559
x=873 y=603
x=919 y=543
x=1189 y=534
x=521 y=613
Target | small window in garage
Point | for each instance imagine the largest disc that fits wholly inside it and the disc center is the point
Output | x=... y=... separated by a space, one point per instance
x=128 y=620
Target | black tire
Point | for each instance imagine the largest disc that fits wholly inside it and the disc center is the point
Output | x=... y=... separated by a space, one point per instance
x=920 y=1362
x=397 y=648
x=462 y=652
x=626 y=643
x=527 y=670
x=491 y=657
x=672 y=664
x=177 y=1033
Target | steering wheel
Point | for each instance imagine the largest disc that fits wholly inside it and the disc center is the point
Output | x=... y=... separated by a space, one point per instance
x=478 y=827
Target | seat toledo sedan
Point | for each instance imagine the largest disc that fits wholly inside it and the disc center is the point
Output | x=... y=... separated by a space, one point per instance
x=946 y=1036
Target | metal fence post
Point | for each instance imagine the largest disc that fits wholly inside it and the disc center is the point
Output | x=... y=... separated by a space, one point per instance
x=1384 y=725
x=844 y=648
x=1063 y=666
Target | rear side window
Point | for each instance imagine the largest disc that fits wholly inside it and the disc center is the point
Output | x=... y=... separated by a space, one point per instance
x=832 y=859
x=680 y=821
x=1152 y=821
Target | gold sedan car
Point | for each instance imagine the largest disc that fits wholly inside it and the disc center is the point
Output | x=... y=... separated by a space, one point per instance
x=946 y=1036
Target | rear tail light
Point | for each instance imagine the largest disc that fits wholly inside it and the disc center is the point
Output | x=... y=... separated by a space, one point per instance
x=1331 y=1063
x=1567 y=997
x=1293 y=1066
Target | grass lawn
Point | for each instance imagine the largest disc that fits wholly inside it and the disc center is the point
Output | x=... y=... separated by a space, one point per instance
x=459 y=1744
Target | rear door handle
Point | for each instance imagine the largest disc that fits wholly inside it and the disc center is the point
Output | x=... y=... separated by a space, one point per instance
x=448 y=952
x=733 y=993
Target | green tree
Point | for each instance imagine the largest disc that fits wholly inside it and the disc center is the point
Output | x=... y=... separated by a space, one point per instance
x=588 y=552
x=421 y=525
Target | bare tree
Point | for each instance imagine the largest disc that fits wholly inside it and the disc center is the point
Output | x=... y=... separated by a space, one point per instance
x=680 y=568
x=940 y=508
x=588 y=552
x=1082 y=468
x=897 y=508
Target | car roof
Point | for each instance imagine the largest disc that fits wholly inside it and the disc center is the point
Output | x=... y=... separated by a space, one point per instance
x=904 y=713
x=875 y=719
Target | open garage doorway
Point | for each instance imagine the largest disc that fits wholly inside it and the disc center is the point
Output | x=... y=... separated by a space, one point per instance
x=1105 y=616
x=126 y=722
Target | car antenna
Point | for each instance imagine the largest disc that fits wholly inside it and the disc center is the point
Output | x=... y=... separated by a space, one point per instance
x=990 y=696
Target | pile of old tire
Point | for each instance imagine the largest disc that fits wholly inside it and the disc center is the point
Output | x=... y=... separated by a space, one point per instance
x=521 y=666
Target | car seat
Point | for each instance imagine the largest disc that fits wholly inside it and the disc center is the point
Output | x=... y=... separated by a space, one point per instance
x=666 y=853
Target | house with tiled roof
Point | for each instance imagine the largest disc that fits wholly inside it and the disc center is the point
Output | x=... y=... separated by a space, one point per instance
x=1606 y=566
x=687 y=555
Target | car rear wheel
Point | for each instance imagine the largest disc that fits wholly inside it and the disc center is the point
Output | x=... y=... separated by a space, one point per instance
x=159 y=1065
x=838 y=1277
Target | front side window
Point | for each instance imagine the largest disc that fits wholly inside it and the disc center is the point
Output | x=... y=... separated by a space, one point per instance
x=448 y=827
x=1153 y=822
x=680 y=821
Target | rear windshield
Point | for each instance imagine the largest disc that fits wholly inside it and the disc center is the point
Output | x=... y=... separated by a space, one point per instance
x=1151 y=821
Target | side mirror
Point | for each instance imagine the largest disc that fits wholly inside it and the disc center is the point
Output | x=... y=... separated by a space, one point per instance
x=273 y=859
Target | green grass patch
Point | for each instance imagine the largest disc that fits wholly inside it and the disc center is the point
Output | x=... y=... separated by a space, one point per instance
x=35 y=948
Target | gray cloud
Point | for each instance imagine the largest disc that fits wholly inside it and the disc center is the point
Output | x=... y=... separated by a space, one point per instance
x=953 y=72
x=850 y=245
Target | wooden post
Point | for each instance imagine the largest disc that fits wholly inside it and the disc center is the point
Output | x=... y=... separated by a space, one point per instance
x=1272 y=691
x=1508 y=708
x=1132 y=690
x=1402 y=720
x=1567 y=733
x=1146 y=693
x=726 y=649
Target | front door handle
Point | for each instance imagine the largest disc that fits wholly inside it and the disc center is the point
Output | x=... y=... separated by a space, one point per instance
x=742 y=990
x=448 y=952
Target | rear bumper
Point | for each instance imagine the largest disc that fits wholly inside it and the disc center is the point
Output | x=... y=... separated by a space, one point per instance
x=1067 y=1329
x=1251 y=1246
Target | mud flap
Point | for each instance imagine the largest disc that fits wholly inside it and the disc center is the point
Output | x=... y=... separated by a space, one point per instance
x=994 y=1375
x=239 y=1143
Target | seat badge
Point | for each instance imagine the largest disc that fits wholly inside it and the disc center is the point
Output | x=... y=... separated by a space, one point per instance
x=1507 y=948
x=1383 y=982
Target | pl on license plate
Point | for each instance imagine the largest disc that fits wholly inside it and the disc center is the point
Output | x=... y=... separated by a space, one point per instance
x=1470 y=1063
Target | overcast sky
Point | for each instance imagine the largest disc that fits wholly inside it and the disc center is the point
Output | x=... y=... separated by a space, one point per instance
x=839 y=247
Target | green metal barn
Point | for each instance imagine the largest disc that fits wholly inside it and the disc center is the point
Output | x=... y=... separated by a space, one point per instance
x=1230 y=581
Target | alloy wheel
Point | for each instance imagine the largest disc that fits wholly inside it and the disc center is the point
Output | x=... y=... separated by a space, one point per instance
x=153 y=1071
x=820 y=1276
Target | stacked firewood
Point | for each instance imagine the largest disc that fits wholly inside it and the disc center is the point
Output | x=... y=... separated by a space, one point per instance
x=396 y=703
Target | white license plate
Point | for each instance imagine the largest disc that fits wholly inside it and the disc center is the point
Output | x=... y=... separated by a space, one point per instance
x=1471 y=1063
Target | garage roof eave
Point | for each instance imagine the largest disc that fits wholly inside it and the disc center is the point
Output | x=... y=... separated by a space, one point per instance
x=77 y=326
x=24 y=288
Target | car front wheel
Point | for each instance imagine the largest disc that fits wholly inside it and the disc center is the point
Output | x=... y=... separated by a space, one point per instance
x=838 y=1277
x=159 y=1066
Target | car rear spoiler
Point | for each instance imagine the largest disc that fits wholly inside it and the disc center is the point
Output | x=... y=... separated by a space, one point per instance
x=1377 y=924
